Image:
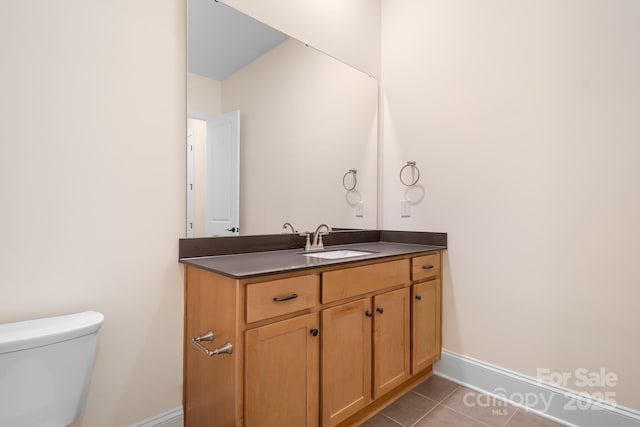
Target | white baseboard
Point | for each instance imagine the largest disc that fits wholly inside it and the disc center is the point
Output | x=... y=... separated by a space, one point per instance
x=171 y=418
x=554 y=402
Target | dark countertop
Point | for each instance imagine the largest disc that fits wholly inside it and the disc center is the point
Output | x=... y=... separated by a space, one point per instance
x=245 y=265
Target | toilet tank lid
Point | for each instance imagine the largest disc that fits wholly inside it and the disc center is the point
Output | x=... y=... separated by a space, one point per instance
x=38 y=332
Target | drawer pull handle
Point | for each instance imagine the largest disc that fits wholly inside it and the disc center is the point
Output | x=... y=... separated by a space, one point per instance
x=380 y=310
x=427 y=267
x=368 y=313
x=314 y=332
x=227 y=348
x=419 y=297
x=285 y=298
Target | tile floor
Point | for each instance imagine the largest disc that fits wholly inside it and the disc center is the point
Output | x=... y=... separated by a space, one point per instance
x=438 y=402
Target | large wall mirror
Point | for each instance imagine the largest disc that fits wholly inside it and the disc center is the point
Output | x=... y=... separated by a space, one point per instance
x=277 y=131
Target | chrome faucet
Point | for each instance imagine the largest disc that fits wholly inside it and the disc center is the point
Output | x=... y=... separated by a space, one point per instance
x=317 y=237
x=288 y=224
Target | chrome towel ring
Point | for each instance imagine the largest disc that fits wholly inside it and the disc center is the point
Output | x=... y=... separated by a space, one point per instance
x=413 y=166
x=355 y=180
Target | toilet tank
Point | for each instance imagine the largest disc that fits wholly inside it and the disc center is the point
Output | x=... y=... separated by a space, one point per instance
x=45 y=369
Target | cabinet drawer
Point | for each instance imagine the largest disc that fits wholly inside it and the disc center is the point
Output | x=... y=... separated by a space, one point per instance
x=349 y=282
x=278 y=297
x=425 y=267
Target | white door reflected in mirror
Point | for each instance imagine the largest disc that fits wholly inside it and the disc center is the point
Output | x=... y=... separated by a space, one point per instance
x=215 y=169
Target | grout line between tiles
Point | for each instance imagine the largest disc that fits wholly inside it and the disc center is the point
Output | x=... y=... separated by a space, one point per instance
x=444 y=398
x=418 y=394
x=450 y=394
x=467 y=416
x=425 y=415
x=441 y=403
x=424 y=397
x=429 y=411
x=410 y=425
x=395 y=421
x=512 y=415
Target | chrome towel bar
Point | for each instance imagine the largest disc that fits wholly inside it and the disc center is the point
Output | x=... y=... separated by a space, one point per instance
x=227 y=348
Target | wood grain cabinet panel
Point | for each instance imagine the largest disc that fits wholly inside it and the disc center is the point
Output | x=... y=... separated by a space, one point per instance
x=391 y=343
x=282 y=373
x=278 y=297
x=365 y=352
x=210 y=395
x=351 y=282
x=426 y=324
x=346 y=360
x=425 y=267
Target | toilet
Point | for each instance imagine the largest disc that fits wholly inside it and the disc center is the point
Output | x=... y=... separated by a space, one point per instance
x=45 y=369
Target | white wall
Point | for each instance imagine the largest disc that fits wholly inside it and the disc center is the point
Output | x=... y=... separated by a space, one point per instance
x=523 y=118
x=348 y=30
x=306 y=119
x=204 y=95
x=92 y=186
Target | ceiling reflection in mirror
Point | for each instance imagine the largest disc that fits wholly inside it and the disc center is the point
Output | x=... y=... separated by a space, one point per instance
x=305 y=120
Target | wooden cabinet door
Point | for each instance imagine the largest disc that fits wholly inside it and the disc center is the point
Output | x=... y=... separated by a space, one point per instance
x=282 y=373
x=391 y=343
x=346 y=360
x=425 y=325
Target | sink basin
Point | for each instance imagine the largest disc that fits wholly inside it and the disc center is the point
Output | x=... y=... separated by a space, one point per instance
x=337 y=254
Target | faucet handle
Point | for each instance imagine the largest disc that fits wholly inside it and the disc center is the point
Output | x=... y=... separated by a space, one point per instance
x=307 y=245
x=320 y=244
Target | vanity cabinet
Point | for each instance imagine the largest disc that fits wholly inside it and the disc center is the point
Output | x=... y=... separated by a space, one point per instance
x=271 y=377
x=426 y=338
x=365 y=352
x=365 y=343
x=281 y=373
x=346 y=360
x=426 y=315
x=391 y=340
x=282 y=357
x=325 y=346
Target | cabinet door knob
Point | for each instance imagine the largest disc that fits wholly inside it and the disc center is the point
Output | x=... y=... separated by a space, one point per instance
x=368 y=313
x=314 y=332
x=419 y=297
x=380 y=310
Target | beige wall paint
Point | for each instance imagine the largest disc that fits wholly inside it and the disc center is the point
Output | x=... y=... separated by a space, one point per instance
x=305 y=120
x=92 y=186
x=204 y=95
x=523 y=128
x=523 y=118
x=348 y=30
